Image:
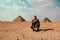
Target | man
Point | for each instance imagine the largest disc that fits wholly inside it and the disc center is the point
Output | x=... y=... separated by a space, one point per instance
x=35 y=23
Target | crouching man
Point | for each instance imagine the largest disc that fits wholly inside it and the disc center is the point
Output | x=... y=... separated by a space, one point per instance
x=35 y=24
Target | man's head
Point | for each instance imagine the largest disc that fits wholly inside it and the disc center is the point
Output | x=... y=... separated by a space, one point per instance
x=35 y=17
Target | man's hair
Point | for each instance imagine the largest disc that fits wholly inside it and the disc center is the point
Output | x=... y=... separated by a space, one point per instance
x=35 y=16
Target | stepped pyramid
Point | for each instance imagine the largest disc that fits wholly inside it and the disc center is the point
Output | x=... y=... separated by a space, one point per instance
x=19 y=19
x=46 y=20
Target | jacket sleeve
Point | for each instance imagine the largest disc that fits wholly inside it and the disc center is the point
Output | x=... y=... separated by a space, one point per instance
x=38 y=22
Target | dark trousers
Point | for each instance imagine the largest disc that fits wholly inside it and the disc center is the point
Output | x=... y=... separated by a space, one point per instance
x=33 y=26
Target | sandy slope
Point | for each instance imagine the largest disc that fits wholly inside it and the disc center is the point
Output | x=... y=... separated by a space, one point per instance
x=22 y=31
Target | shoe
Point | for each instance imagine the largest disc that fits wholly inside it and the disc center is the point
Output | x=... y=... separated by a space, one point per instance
x=33 y=30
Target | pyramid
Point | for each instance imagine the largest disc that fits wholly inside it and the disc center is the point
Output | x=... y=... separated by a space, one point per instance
x=47 y=20
x=19 y=19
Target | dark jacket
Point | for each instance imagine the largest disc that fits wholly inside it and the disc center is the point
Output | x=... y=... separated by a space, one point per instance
x=36 y=24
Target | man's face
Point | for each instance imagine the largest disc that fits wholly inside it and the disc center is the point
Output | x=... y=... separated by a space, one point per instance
x=35 y=17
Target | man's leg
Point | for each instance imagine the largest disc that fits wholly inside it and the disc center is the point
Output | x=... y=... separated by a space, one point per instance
x=33 y=28
x=33 y=25
x=37 y=28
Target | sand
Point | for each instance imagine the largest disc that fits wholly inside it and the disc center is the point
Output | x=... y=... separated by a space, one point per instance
x=22 y=31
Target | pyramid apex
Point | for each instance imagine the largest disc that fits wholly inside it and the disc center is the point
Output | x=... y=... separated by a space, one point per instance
x=19 y=19
x=47 y=20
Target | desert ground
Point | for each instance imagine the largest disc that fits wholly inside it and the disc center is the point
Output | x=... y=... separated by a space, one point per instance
x=22 y=31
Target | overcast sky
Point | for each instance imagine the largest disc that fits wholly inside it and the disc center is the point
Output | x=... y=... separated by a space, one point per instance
x=10 y=9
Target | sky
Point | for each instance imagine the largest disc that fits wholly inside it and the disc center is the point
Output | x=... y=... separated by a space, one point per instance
x=10 y=9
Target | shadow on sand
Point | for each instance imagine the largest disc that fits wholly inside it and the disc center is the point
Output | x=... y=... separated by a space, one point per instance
x=44 y=29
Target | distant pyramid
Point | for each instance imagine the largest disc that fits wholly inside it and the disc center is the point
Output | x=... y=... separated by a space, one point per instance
x=47 y=20
x=19 y=19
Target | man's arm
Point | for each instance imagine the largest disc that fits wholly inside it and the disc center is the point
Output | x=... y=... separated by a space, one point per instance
x=38 y=21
